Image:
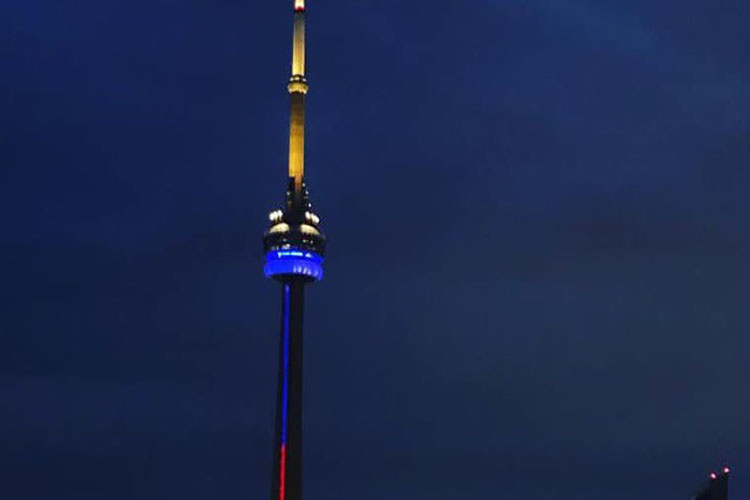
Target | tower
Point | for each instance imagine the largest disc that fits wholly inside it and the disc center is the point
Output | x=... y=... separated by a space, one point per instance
x=716 y=488
x=294 y=247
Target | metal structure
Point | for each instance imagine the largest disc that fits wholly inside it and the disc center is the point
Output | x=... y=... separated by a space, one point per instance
x=716 y=488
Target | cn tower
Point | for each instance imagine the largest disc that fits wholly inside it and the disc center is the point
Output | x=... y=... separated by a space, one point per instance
x=294 y=247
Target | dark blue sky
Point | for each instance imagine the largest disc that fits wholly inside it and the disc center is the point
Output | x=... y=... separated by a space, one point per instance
x=538 y=278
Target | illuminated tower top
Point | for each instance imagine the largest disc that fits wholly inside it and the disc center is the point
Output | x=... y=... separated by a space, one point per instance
x=297 y=89
x=298 y=54
x=294 y=243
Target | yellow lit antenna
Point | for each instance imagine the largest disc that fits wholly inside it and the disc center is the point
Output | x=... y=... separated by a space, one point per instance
x=297 y=90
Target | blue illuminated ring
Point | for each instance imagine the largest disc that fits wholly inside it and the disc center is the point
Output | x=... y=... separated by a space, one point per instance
x=294 y=263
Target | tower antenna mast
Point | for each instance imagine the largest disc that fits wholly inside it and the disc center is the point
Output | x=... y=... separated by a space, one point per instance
x=297 y=91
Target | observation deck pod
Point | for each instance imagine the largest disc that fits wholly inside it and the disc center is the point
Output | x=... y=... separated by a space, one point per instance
x=284 y=264
x=293 y=244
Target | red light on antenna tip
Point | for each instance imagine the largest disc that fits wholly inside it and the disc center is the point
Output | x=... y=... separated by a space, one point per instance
x=726 y=470
x=713 y=475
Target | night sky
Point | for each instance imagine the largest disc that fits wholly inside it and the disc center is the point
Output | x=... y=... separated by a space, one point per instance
x=538 y=276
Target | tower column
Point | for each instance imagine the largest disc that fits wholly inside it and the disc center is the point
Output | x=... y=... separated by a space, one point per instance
x=287 y=468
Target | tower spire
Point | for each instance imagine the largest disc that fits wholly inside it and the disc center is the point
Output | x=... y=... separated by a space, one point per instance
x=297 y=89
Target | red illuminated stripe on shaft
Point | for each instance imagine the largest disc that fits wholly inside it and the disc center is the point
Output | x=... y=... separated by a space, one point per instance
x=282 y=473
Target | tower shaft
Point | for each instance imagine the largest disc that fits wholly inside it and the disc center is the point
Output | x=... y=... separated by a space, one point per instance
x=286 y=482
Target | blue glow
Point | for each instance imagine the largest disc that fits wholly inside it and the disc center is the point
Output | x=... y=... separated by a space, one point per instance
x=285 y=367
x=294 y=262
